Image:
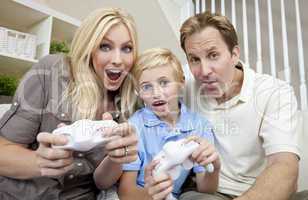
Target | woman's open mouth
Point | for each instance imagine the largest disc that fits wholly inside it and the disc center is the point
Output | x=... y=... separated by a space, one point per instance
x=113 y=74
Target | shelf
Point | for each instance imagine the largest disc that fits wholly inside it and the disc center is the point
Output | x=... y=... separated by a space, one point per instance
x=21 y=61
x=21 y=15
x=63 y=27
x=18 y=16
x=48 y=11
x=31 y=17
x=12 y=64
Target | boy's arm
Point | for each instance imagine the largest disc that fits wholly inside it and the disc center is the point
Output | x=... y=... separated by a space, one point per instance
x=207 y=182
x=204 y=155
x=128 y=189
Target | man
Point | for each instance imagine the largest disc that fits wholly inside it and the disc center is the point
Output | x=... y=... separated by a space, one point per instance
x=254 y=117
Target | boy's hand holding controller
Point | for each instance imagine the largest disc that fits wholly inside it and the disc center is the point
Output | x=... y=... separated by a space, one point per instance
x=181 y=154
x=158 y=187
x=205 y=154
x=177 y=155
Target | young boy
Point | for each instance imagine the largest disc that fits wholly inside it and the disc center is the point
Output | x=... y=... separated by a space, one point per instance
x=159 y=80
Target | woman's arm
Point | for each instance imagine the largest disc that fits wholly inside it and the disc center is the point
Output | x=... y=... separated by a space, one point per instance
x=110 y=169
x=122 y=149
x=16 y=161
x=107 y=173
x=128 y=189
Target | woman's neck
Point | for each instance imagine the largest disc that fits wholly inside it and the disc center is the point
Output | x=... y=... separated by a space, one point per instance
x=107 y=103
x=111 y=95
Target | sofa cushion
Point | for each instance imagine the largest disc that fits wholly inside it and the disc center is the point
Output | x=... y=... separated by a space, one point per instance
x=4 y=108
x=303 y=166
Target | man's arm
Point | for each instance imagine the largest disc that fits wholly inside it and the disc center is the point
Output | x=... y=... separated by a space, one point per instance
x=277 y=181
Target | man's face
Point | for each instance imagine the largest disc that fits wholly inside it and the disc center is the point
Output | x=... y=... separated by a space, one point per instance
x=211 y=62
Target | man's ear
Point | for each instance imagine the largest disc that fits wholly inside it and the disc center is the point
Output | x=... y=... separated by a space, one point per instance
x=181 y=85
x=183 y=79
x=236 y=54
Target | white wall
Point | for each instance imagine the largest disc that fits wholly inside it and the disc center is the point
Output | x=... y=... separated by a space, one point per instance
x=153 y=28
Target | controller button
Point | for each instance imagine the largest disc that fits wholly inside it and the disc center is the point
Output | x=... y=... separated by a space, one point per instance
x=71 y=176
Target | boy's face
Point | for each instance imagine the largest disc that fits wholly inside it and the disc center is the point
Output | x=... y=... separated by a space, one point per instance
x=159 y=90
x=211 y=61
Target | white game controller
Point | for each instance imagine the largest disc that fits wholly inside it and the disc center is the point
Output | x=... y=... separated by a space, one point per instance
x=175 y=156
x=84 y=135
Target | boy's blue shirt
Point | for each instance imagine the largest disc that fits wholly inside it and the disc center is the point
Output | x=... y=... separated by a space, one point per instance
x=153 y=133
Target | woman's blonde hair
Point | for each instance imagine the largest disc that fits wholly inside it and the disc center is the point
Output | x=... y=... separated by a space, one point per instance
x=84 y=90
x=149 y=59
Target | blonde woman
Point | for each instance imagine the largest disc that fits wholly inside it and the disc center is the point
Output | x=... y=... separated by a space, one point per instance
x=87 y=84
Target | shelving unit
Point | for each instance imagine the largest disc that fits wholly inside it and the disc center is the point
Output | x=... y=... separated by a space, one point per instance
x=31 y=17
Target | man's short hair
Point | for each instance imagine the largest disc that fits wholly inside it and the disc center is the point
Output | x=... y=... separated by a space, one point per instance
x=199 y=22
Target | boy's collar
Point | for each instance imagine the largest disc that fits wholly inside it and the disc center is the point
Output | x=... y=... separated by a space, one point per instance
x=151 y=120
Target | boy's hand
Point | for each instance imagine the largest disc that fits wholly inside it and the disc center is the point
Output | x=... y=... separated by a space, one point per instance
x=205 y=153
x=157 y=187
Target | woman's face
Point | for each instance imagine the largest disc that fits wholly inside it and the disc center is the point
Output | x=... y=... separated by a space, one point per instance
x=113 y=59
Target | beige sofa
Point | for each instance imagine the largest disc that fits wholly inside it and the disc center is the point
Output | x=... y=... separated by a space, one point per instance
x=303 y=177
x=4 y=108
x=303 y=170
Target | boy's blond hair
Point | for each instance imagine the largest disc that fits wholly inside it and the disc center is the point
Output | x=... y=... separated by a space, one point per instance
x=157 y=57
x=149 y=59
